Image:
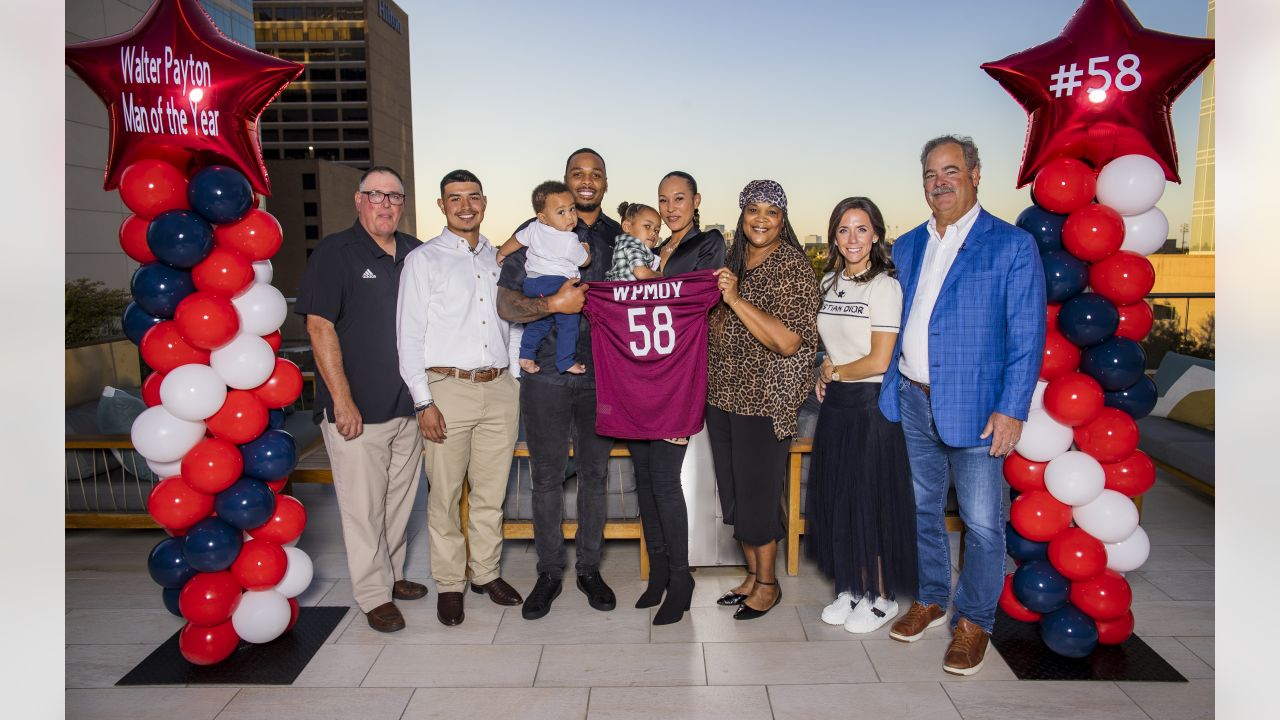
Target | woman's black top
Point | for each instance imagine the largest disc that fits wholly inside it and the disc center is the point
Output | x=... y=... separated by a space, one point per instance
x=697 y=251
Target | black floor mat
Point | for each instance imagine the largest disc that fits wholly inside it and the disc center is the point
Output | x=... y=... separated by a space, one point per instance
x=278 y=662
x=1020 y=645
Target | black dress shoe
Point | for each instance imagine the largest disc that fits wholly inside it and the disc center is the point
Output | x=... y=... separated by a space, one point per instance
x=385 y=618
x=449 y=608
x=599 y=595
x=679 y=596
x=546 y=590
x=408 y=590
x=498 y=591
x=732 y=598
x=746 y=612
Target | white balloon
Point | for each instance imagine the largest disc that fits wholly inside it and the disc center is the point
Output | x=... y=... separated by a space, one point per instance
x=244 y=363
x=1074 y=478
x=1131 y=184
x=165 y=470
x=1043 y=438
x=1129 y=554
x=1146 y=232
x=261 y=616
x=262 y=272
x=261 y=308
x=161 y=437
x=192 y=392
x=297 y=576
x=1111 y=517
x=1037 y=396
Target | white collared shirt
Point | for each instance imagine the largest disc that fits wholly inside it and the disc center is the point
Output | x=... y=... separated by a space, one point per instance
x=940 y=253
x=446 y=313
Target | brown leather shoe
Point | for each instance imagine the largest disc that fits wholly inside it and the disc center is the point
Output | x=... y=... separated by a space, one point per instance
x=967 y=650
x=498 y=591
x=408 y=590
x=921 y=617
x=449 y=608
x=385 y=618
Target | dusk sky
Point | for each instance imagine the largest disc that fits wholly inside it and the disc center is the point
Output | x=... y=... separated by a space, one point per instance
x=829 y=98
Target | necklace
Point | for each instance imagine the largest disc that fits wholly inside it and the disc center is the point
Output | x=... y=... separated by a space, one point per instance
x=855 y=276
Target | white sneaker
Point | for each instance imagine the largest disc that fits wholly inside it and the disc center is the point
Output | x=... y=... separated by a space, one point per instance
x=869 y=616
x=838 y=611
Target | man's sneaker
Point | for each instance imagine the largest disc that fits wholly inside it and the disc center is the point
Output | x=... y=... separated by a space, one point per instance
x=599 y=594
x=870 y=616
x=920 y=617
x=838 y=611
x=546 y=590
x=967 y=650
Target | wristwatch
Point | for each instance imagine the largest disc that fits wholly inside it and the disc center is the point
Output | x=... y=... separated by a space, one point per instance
x=419 y=407
x=835 y=375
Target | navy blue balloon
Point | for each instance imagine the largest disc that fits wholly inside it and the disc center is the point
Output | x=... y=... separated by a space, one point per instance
x=137 y=322
x=168 y=564
x=1139 y=399
x=158 y=288
x=1088 y=319
x=1069 y=632
x=212 y=545
x=275 y=419
x=1116 y=364
x=247 y=504
x=180 y=238
x=171 y=600
x=220 y=194
x=1022 y=549
x=1064 y=275
x=1040 y=587
x=271 y=456
x=1044 y=226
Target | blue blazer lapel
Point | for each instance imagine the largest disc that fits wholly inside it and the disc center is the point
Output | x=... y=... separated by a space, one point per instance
x=915 y=247
x=978 y=234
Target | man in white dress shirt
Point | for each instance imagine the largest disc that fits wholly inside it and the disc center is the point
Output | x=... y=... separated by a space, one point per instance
x=454 y=357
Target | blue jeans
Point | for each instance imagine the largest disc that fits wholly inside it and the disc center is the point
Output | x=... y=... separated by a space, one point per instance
x=536 y=331
x=980 y=490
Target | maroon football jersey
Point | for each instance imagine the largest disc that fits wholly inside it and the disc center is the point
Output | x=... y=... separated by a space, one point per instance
x=649 y=345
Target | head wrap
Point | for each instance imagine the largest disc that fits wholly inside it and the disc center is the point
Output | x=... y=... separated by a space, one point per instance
x=766 y=191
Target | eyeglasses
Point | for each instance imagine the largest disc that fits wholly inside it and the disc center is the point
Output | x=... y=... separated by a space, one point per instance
x=376 y=197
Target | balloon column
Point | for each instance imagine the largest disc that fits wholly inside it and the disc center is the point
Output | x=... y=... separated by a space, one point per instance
x=183 y=102
x=1099 y=150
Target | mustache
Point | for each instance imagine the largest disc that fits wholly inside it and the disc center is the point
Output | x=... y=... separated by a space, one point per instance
x=941 y=190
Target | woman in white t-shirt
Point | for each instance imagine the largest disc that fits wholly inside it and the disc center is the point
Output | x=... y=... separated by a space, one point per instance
x=860 y=514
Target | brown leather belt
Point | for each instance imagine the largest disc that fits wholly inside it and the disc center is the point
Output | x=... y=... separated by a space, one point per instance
x=923 y=387
x=479 y=376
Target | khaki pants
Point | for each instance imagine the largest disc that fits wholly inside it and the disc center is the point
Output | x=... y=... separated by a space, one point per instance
x=375 y=477
x=481 y=423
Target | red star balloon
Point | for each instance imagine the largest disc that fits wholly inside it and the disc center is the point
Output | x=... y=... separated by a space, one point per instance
x=176 y=88
x=1101 y=89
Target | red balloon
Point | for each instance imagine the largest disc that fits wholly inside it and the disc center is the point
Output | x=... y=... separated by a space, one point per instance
x=163 y=348
x=277 y=485
x=1105 y=597
x=1073 y=399
x=223 y=272
x=257 y=235
x=274 y=340
x=1093 y=233
x=207 y=645
x=150 y=187
x=1115 y=632
x=260 y=565
x=1064 y=185
x=293 y=614
x=1060 y=356
x=1110 y=437
x=1136 y=320
x=1009 y=603
x=1077 y=555
x=283 y=387
x=286 y=524
x=212 y=466
x=1022 y=474
x=133 y=239
x=206 y=321
x=209 y=598
x=1051 y=316
x=1131 y=476
x=1124 y=278
x=151 y=389
x=241 y=418
x=175 y=504
x=1039 y=516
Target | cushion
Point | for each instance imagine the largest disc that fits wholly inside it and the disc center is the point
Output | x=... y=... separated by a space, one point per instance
x=117 y=410
x=1195 y=378
x=1195 y=409
x=1173 y=366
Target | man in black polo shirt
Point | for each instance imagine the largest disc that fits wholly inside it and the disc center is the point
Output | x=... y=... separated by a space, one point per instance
x=363 y=408
x=555 y=405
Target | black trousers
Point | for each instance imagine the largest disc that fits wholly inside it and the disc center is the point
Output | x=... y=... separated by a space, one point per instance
x=663 y=514
x=751 y=473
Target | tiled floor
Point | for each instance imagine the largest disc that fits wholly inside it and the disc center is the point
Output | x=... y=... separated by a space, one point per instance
x=581 y=663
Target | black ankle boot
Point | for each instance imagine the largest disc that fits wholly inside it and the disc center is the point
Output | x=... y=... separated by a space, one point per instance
x=679 y=594
x=659 y=574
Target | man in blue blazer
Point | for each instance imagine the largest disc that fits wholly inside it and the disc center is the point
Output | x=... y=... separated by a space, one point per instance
x=960 y=381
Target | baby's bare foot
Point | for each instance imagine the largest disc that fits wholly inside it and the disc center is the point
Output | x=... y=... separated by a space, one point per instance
x=528 y=366
x=577 y=369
